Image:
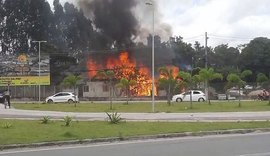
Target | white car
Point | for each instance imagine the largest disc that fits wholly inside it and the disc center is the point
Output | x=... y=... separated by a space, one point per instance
x=197 y=95
x=248 y=87
x=62 y=97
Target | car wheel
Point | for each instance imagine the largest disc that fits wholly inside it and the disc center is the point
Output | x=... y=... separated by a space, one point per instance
x=70 y=101
x=179 y=100
x=201 y=100
x=50 y=101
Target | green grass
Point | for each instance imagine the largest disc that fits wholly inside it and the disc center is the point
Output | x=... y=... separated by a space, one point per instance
x=22 y=132
x=223 y=106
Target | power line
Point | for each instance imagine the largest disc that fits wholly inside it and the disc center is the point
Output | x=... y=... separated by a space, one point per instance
x=193 y=38
x=229 y=37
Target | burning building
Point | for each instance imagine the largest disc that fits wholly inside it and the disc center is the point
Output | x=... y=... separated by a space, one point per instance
x=122 y=25
x=125 y=67
x=128 y=65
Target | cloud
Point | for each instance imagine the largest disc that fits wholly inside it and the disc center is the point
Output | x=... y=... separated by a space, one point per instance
x=232 y=18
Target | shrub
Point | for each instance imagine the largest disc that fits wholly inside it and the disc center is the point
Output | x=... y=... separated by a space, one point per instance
x=45 y=120
x=114 y=118
x=7 y=125
x=67 y=120
x=69 y=135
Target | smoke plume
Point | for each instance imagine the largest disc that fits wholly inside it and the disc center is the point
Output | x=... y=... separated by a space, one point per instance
x=125 y=21
x=112 y=18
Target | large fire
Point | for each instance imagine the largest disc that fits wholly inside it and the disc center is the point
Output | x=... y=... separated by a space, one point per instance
x=125 y=67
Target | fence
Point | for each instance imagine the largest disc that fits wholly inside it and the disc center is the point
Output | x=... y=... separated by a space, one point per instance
x=25 y=93
x=31 y=92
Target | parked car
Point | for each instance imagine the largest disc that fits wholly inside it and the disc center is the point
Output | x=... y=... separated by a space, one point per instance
x=197 y=95
x=235 y=92
x=2 y=99
x=62 y=97
x=248 y=87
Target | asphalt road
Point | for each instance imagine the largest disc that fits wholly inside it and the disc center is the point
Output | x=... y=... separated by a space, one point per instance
x=256 y=144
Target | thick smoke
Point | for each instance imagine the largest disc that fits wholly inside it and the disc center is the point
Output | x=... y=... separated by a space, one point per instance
x=125 y=21
x=113 y=18
x=129 y=21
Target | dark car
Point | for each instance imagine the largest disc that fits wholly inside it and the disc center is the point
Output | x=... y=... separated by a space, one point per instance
x=2 y=99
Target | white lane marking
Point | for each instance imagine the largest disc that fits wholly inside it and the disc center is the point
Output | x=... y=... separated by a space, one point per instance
x=130 y=142
x=257 y=154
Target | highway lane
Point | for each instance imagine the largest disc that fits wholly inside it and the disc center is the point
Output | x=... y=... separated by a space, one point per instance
x=256 y=144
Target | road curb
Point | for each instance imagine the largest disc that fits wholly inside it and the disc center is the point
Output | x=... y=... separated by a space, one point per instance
x=144 y=137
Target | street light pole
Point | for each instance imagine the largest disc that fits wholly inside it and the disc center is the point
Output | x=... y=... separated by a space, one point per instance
x=206 y=67
x=153 y=55
x=39 y=42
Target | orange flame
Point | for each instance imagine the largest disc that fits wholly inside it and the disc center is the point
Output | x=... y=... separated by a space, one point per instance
x=125 y=67
x=92 y=68
x=174 y=73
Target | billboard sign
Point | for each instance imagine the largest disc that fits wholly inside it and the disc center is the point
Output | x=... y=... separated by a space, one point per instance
x=24 y=70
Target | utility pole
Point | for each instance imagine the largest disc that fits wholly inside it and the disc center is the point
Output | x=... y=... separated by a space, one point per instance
x=153 y=54
x=191 y=89
x=206 y=66
x=39 y=42
x=206 y=58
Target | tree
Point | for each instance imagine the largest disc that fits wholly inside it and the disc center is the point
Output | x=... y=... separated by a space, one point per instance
x=79 y=30
x=126 y=85
x=197 y=80
x=187 y=80
x=71 y=81
x=264 y=81
x=2 y=25
x=15 y=37
x=199 y=58
x=109 y=76
x=60 y=27
x=236 y=80
x=40 y=24
x=207 y=75
x=225 y=59
x=22 y=21
x=226 y=56
x=40 y=20
x=255 y=56
x=183 y=52
x=167 y=81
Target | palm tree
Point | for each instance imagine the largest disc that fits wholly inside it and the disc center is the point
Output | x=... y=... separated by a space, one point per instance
x=167 y=81
x=264 y=81
x=71 y=81
x=109 y=76
x=126 y=84
x=207 y=75
x=187 y=81
x=237 y=81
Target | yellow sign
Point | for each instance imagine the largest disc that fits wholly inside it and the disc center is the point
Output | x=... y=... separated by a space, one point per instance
x=22 y=58
x=25 y=80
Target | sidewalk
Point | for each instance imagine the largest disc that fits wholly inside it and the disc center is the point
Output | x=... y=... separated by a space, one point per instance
x=173 y=117
x=2 y=106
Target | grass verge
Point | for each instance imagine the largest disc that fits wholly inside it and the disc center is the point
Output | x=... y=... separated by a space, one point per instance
x=25 y=131
x=183 y=107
